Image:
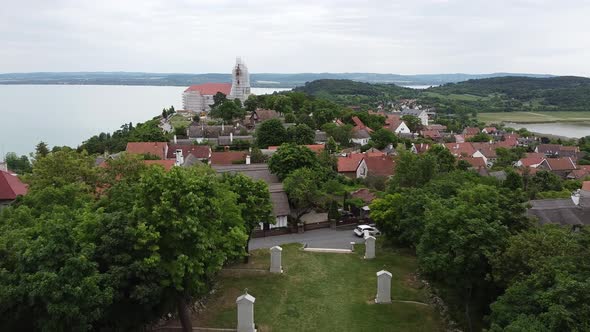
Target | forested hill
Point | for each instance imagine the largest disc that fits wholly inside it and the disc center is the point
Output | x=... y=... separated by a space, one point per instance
x=355 y=92
x=562 y=93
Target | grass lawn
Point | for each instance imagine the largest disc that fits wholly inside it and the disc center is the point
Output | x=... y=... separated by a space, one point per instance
x=534 y=117
x=178 y=120
x=323 y=292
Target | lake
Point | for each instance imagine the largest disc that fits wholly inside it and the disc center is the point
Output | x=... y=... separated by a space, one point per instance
x=70 y=114
x=567 y=129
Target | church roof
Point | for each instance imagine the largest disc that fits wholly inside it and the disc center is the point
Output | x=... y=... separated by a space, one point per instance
x=210 y=88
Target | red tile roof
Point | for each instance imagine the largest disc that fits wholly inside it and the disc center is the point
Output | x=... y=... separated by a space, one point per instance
x=227 y=157
x=198 y=151
x=422 y=147
x=11 y=186
x=434 y=134
x=476 y=162
x=350 y=163
x=534 y=155
x=167 y=164
x=560 y=164
x=461 y=149
x=471 y=131
x=586 y=185
x=530 y=161
x=153 y=148
x=210 y=88
x=364 y=194
x=380 y=165
x=313 y=147
x=359 y=125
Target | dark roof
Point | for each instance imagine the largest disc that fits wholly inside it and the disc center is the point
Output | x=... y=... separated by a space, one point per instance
x=227 y=140
x=320 y=136
x=364 y=194
x=227 y=157
x=198 y=130
x=199 y=151
x=255 y=171
x=412 y=111
x=261 y=115
x=559 y=211
x=278 y=197
x=361 y=133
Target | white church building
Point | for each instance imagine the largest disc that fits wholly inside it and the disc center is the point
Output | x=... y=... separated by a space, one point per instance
x=199 y=98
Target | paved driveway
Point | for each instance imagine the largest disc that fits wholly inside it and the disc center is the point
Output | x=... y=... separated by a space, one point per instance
x=319 y=238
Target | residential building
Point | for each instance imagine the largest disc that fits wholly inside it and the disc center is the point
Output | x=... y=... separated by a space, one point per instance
x=562 y=212
x=10 y=187
x=380 y=165
x=278 y=196
x=582 y=172
x=360 y=136
x=395 y=124
x=420 y=148
x=419 y=113
x=157 y=149
x=532 y=160
x=228 y=158
x=260 y=115
x=558 y=166
x=353 y=165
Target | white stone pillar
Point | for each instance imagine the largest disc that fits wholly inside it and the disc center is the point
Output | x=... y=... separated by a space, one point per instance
x=383 y=287
x=369 y=247
x=246 y=313
x=275 y=259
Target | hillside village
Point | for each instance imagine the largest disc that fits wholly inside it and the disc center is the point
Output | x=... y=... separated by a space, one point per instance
x=324 y=165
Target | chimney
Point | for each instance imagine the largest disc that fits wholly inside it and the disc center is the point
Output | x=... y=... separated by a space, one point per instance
x=248 y=159
x=179 y=157
x=231 y=137
x=175 y=142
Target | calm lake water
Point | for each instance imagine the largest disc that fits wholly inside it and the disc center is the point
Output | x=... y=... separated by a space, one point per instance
x=69 y=114
x=567 y=129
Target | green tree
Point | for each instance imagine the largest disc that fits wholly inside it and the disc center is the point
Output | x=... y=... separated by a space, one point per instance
x=301 y=134
x=148 y=131
x=41 y=150
x=480 y=137
x=290 y=157
x=331 y=146
x=413 y=170
x=256 y=156
x=290 y=118
x=341 y=134
x=460 y=237
x=303 y=189
x=271 y=133
x=20 y=165
x=382 y=138
x=445 y=159
x=62 y=168
x=218 y=99
x=251 y=104
x=413 y=122
x=228 y=111
x=254 y=200
x=282 y=104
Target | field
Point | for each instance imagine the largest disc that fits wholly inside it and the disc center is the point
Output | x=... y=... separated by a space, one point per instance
x=533 y=117
x=323 y=292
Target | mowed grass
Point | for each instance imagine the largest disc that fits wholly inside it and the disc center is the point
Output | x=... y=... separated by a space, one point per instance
x=178 y=120
x=323 y=292
x=533 y=117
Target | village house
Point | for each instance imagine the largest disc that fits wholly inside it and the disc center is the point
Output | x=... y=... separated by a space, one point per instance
x=260 y=115
x=395 y=124
x=419 y=148
x=10 y=186
x=582 y=172
x=434 y=135
x=531 y=159
x=380 y=165
x=278 y=197
x=477 y=163
x=558 y=166
x=182 y=154
x=419 y=113
x=155 y=149
x=229 y=158
x=201 y=132
x=352 y=165
x=562 y=212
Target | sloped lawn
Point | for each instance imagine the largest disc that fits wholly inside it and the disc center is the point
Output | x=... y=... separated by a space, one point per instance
x=322 y=292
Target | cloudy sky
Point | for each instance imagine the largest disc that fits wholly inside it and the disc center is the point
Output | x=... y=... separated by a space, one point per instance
x=287 y=36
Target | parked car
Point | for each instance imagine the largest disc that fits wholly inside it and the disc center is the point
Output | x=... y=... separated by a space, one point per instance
x=360 y=230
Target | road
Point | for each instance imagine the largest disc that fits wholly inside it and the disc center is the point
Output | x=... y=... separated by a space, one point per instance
x=319 y=238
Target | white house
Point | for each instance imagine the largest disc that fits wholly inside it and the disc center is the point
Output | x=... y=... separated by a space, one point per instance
x=419 y=113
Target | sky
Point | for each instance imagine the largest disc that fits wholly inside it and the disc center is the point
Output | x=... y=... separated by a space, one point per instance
x=291 y=36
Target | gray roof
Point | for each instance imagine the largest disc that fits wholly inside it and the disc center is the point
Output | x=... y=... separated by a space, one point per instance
x=500 y=175
x=225 y=140
x=320 y=137
x=559 y=211
x=361 y=133
x=412 y=111
x=198 y=130
x=278 y=197
x=255 y=171
x=191 y=160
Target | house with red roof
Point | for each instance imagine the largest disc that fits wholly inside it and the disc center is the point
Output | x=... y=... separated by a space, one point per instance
x=434 y=135
x=582 y=172
x=10 y=187
x=167 y=164
x=158 y=149
x=475 y=162
x=472 y=131
x=380 y=165
x=228 y=157
x=199 y=98
x=420 y=148
x=353 y=165
x=395 y=124
x=558 y=166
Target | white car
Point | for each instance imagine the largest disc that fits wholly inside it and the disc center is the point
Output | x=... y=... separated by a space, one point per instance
x=360 y=230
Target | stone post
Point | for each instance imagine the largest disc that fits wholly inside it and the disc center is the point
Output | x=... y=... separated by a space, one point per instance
x=352 y=246
x=366 y=234
x=246 y=313
x=369 y=247
x=383 y=287
x=275 y=259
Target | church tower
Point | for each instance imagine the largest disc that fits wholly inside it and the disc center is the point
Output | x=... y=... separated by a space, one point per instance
x=240 y=85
